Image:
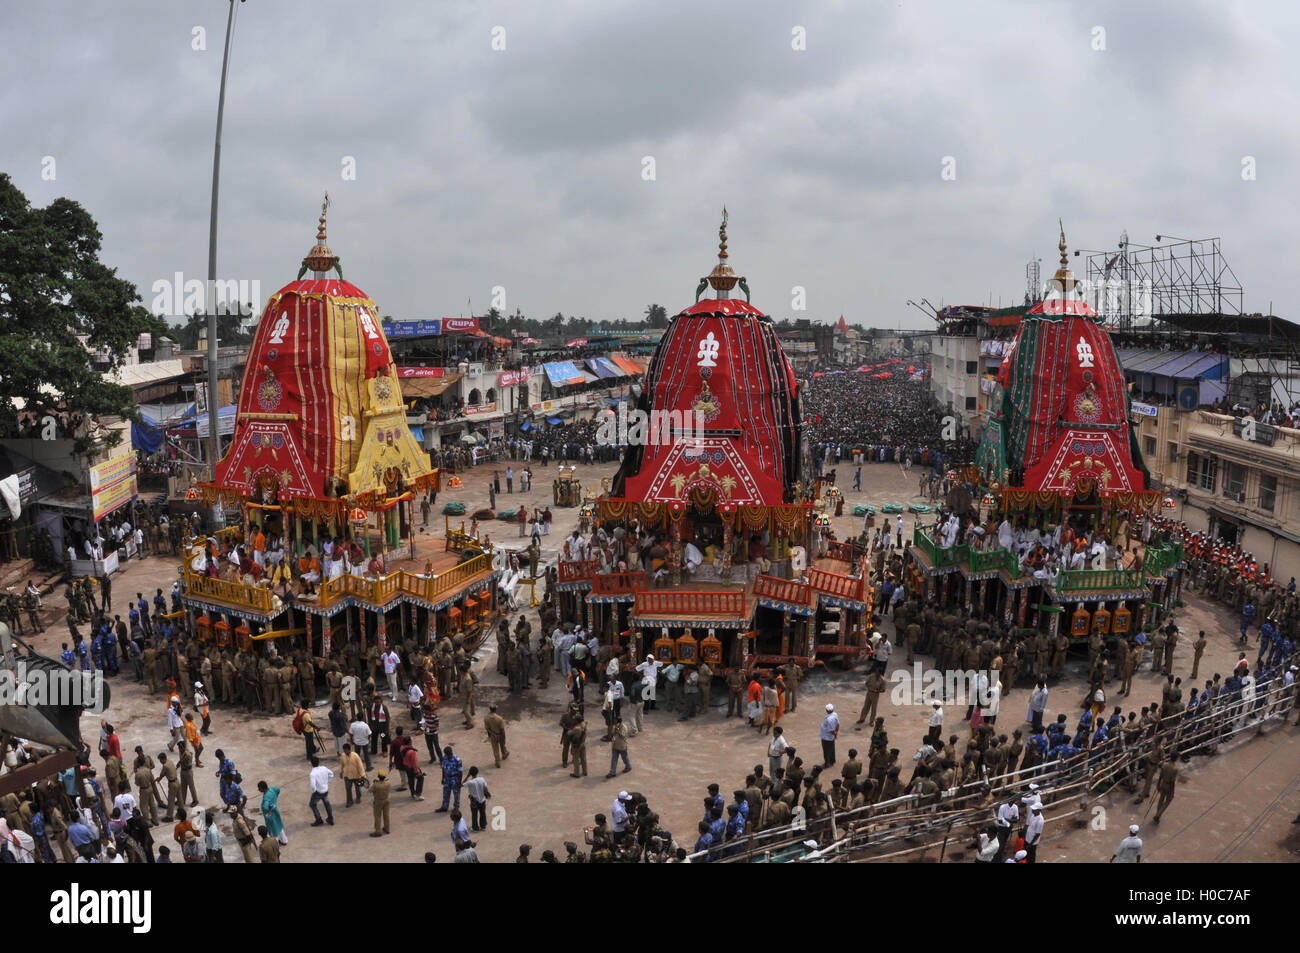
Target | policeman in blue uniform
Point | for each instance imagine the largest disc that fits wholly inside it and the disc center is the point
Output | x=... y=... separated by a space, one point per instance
x=1265 y=640
x=146 y=623
x=67 y=656
x=110 y=652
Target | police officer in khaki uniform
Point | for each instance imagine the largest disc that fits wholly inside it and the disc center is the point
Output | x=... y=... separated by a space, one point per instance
x=496 y=732
x=145 y=800
x=1198 y=649
x=1168 y=779
x=334 y=680
x=1171 y=641
x=185 y=764
x=269 y=848
x=1157 y=650
x=577 y=738
x=270 y=687
x=229 y=679
x=468 y=686
x=876 y=685
x=149 y=661
x=1058 y=658
x=286 y=675
x=706 y=685
x=380 y=790
x=169 y=774
x=567 y=721
x=735 y=692
x=243 y=832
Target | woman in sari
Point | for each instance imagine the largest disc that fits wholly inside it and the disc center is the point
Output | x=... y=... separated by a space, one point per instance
x=271 y=812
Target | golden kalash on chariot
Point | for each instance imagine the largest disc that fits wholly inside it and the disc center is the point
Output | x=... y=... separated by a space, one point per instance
x=325 y=472
x=1067 y=497
x=710 y=516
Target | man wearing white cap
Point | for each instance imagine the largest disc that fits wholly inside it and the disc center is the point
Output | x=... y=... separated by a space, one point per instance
x=618 y=815
x=1033 y=833
x=830 y=730
x=1129 y=850
x=649 y=670
x=1032 y=798
x=201 y=706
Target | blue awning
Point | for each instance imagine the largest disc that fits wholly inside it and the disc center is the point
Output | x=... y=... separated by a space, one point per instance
x=417 y=431
x=525 y=426
x=603 y=368
x=554 y=421
x=562 y=373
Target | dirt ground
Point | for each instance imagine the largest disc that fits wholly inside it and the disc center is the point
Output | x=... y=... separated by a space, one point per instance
x=1236 y=807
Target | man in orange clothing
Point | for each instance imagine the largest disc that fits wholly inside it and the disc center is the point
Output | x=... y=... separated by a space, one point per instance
x=259 y=547
x=752 y=698
x=194 y=738
x=309 y=571
x=182 y=829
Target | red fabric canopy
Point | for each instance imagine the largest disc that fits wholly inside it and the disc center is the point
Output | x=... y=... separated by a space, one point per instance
x=720 y=371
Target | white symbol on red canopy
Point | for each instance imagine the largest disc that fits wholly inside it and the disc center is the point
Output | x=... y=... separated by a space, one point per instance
x=708 y=352
x=368 y=324
x=280 y=330
x=1084 y=350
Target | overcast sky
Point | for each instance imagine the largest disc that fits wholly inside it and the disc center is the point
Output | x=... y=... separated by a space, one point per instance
x=524 y=168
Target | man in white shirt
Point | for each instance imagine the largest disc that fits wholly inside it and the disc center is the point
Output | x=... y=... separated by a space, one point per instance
x=649 y=670
x=176 y=725
x=1038 y=705
x=359 y=735
x=1033 y=833
x=476 y=788
x=319 y=781
x=936 y=724
x=125 y=802
x=1007 y=816
x=1129 y=850
x=618 y=816
x=884 y=649
x=830 y=730
x=391 y=660
x=992 y=696
x=776 y=749
x=139 y=543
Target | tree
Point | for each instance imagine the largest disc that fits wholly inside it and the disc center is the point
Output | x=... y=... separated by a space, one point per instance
x=231 y=330
x=59 y=305
x=656 y=316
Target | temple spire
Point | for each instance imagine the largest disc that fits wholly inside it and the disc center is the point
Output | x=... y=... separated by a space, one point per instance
x=1064 y=261
x=722 y=278
x=320 y=259
x=320 y=231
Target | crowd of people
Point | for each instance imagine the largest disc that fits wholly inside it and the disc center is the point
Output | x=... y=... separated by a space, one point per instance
x=850 y=415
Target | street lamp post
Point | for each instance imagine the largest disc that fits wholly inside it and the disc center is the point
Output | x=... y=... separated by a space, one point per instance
x=214 y=433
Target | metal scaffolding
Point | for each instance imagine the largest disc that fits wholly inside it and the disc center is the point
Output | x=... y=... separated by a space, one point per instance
x=1133 y=285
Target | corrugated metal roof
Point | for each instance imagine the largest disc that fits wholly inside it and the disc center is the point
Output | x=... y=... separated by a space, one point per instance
x=1180 y=364
x=139 y=375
